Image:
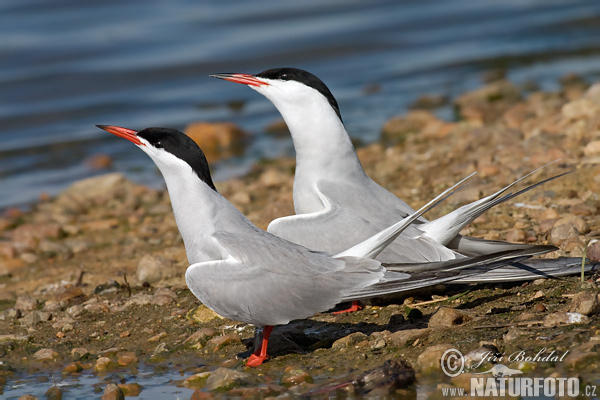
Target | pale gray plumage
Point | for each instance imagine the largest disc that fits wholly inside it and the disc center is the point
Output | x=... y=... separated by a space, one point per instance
x=250 y=275
x=327 y=167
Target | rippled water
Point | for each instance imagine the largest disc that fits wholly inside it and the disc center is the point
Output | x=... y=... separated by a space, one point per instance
x=67 y=65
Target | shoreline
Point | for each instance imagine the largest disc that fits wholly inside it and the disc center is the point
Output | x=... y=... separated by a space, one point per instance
x=93 y=278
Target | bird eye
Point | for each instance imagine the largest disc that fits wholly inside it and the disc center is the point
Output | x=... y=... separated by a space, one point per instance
x=284 y=77
x=158 y=144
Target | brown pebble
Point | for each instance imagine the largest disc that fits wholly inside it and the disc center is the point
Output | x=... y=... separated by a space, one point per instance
x=156 y=338
x=126 y=358
x=124 y=334
x=53 y=393
x=539 y=308
x=130 y=389
x=113 y=392
x=74 y=367
x=60 y=334
x=221 y=341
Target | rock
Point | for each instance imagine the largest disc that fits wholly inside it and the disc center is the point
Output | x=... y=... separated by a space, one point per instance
x=7 y=250
x=489 y=102
x=78 y=353
x=26 y=303
x=580 y=225
x=578 y=359
x=75 y=311
x=163 y=296
x=402 y=338
x=74 y=367
x=447 y=317
x=86 y=193
x=215 y=136
x=565 y=318
x=156 y=338
x=113 y=392
x=130 y=389
x=46 y=355
x=159 y=350
x=273 y=177
x=103 y=364
x=99 y=161
x=513 y=334
x=224 y=379
x=126 y=358
x=33 y=318
x=348 y=341
x=29 y=234
x=220 y=341
x=562 y=233
x=201 y=336
x=293 y=377
x=196 y=381
x=585 y=303
x=27 y=397
x=593 y=251
x=202 y=315
x=580 y=108
x=140 y=299
x=430 y=359
x=153 y=269
x=53 y=393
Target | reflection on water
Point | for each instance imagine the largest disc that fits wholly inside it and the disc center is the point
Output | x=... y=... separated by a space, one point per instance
x=68 y=65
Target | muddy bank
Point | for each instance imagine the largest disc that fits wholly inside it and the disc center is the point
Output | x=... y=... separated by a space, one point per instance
x=92 y=280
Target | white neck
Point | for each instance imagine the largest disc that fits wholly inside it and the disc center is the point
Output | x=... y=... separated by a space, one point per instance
x=199 y=210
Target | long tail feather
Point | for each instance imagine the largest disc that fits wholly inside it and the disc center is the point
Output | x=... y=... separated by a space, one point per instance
x=374 y=245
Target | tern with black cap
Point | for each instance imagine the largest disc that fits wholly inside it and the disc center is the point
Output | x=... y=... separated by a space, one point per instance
x=333 y=194
x=249 y=275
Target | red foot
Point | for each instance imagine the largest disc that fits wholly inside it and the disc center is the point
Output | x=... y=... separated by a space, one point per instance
x=260 y=355
x=255 y=360
x=354 y=307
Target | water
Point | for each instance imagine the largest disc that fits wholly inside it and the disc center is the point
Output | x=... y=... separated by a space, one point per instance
x=67 y=65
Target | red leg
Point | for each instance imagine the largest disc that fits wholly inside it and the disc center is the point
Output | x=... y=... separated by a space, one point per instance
x=354 y=307
x=260 y=354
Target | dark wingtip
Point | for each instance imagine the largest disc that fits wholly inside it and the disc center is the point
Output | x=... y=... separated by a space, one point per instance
x=101 y=126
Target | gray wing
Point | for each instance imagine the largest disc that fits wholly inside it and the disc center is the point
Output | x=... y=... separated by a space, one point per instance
x=269 y=281
x=347 y=219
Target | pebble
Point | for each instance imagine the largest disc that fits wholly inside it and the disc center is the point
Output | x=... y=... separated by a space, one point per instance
x=53 y=393
x=447 y=317
x=126 y=358
x=408 y=336
x=113 y=392
x=79 y=352
x=164 y=296
x=200 y=336
x=130 y=389
x=26 y=303
x=430 y=359
x=156 y=338
x=378 y=344
x=565 y=318
x=46 y=355
x=293 y=377
x=203 y=315
x=196 y=381
x=348 y=341
x=155 y=268
x=225 y=379
x=585 y=303
x=220 y=341
x=74 y=367
x=158 y=350
x=27 y=397
x=103 y=364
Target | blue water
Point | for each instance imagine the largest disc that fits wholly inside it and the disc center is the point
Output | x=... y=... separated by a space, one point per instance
x=67 y=65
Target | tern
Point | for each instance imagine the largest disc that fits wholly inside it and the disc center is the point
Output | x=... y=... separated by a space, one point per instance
x=249 y=275
x=333 y=194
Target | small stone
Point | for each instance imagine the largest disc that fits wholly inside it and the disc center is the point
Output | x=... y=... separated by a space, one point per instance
x=562 y=233
x=378 y=344
x=295 y=377
x=130 y=389
x=126 y=358
x=13 y=313
x=53 y=393
x=74 y=367
x=348 y=341
x=200 y=336
x=27 y=397
x=224 y=379
x=593 y=251
x=153 y=269
x=221 y=341
x=46 y=355
x=113 y=392
x=515 y=236
x=565 y=318
x=585 y=303
x=402 y=338
x=26 y=303
x=78 y=353
x=196 y=381
x=124 y=334
x=75 y=311
x=430 y=359
x=447 y=317
x=60 y=335
x=203 y=314
x=103 y=364
x=161 y=348
x=140 y=299
x=513 y=334
x=539 y=308
x=156 y=338
x=164 y=296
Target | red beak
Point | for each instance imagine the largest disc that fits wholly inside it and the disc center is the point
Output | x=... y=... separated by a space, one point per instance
x=244 y=79
x=128 y=134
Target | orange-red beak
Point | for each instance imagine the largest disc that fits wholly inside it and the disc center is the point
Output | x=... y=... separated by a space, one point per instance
x=244 y=79
x=128 y=134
